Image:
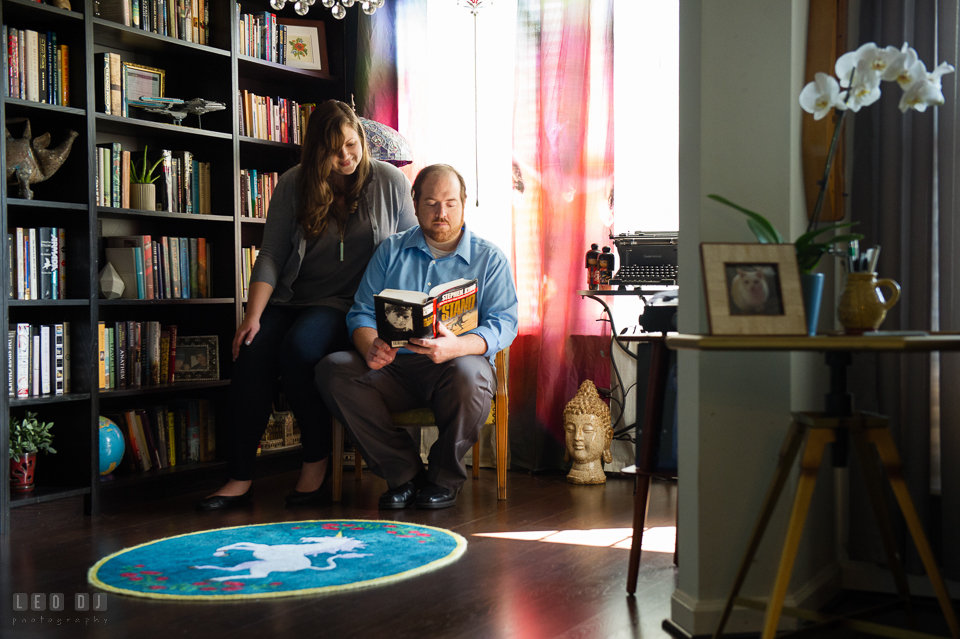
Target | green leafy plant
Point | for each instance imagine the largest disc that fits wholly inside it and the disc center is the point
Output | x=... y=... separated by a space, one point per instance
x=143 y=175
x=809 y=250
x=28 y=435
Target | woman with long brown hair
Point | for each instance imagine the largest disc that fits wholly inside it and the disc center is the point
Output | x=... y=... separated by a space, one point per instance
x=327 y=216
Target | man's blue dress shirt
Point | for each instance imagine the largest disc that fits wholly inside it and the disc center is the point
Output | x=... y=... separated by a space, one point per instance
x=404 y=261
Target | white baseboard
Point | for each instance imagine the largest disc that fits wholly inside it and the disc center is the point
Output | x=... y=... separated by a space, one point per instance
x=700 y=617
x=861 y=575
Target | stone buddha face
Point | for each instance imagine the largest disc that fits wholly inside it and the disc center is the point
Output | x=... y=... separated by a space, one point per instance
x=587 y=443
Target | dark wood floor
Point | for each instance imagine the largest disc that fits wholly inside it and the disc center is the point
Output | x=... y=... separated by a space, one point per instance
x=500 y=588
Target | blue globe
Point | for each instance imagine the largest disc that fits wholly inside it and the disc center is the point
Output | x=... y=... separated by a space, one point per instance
x=111 y=446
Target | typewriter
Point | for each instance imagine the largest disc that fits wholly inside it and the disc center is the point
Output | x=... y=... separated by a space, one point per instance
x=646 y=259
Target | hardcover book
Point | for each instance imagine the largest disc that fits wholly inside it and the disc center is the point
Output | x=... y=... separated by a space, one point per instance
x=402 y=315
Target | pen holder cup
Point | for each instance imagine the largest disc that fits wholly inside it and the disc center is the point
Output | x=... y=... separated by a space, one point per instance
x=862 y=306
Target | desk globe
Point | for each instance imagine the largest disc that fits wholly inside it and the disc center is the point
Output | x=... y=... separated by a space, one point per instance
x=111 y=445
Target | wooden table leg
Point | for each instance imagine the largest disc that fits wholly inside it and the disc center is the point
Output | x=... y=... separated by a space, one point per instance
x=788 y=452
x=641 y=494
x=894 y=468
x=878 y=501
x=817 y=440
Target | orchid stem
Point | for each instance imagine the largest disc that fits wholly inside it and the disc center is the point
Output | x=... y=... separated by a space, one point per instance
x=815 y=219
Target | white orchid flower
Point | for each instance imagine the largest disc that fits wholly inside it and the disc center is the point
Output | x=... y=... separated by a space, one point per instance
x=927 y=91
x=821 y=95
x=866 y=86
x=913 y=69
x=878 y=59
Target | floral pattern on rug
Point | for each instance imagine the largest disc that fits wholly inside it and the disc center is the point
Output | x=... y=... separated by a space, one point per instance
x=276 y=560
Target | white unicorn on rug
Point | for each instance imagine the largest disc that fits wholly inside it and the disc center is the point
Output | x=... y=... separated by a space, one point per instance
x=288 y=557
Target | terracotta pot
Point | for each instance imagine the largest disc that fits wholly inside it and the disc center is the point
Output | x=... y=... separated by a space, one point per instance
x=143 y=196
x=21 y=473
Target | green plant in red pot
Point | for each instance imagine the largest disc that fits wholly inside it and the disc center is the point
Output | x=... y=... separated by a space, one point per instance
x=28 y=437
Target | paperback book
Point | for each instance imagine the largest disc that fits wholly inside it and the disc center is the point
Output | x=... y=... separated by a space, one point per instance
x=402 y=315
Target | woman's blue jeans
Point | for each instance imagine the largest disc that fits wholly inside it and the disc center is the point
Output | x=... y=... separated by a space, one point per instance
x=291 y=342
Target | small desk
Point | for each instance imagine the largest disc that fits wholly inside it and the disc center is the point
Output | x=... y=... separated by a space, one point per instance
x=835 y=426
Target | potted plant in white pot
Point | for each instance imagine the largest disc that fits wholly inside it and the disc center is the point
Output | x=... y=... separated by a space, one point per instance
x=143 y=191
x=28 y=436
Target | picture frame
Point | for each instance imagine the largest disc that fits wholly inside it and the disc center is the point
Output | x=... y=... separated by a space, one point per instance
x=314 y=36
x=197 y=358
x=752 y=289
x=138 y=81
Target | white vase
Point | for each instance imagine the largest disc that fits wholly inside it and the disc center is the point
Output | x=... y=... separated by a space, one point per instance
x=143 y=196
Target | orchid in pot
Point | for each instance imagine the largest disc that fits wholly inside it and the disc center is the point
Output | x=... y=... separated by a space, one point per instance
x=859 y=75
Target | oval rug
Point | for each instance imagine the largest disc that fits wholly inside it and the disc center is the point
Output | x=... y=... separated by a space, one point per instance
x=277 y=560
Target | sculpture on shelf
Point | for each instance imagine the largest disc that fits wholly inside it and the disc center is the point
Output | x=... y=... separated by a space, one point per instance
x=61 y=4
x=586 y=422
x=176 y=108
x=111 y=284
x=30 y=161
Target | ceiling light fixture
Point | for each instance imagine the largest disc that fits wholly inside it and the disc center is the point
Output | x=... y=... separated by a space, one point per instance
x=337 y=7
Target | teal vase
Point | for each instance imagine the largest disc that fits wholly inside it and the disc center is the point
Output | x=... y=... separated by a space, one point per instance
x=811 y=285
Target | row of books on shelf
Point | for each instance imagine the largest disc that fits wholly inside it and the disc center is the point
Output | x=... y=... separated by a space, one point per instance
x=183 y=185
x=136 y=354
x=187 y=20
x=165 y=268
x=256 y=189
x=166 y=435
x=248 y=256
x=38 y=263
x=38 y=359
x=38 y=68
x=259 y=35
x=274 y=119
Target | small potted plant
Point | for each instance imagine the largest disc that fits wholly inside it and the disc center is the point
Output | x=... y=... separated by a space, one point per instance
x=28 y=436
x=143 y=191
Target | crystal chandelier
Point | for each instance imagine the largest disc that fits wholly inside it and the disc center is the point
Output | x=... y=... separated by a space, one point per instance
x=337 y=7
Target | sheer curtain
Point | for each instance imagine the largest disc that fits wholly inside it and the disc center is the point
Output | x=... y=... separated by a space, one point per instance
x=903 y=194
x=544 y=188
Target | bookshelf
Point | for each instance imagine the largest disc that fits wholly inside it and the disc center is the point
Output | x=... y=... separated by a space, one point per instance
x=68 y=200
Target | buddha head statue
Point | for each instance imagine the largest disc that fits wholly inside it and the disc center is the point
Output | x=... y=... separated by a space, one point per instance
x=586 y=423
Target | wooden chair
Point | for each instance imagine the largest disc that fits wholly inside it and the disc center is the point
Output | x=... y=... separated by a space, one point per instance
x=423 y=417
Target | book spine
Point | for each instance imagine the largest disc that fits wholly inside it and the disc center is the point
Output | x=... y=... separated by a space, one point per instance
x=153 y=334
x=61 y=263
x=164 y=354
x=33 y=251
x=21 y=264
x=12 y=361
x=110 y=359
x=120 y=335
x=175 y=266
x=173 y=354
x=42 y=66
x=116 y=194
x=44 y=360
x=58 y=359
x=66 y=358
x=34 y=361
x=202 y=288
x=194 y=267
x=48 y=256
x=101 y=354
x=185 y=268
x=148 y=267
x=65 y=72
x=23 y=360
x=171 y=437
x=135 y=365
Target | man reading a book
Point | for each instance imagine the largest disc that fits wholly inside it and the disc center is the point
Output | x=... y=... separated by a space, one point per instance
x=452 y=374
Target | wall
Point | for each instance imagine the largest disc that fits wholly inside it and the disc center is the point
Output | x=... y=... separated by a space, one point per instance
x=741 y=70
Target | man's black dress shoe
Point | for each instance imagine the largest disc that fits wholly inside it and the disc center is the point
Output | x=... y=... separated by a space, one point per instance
x=401 y=496
x=219 y=502
x=432 y=496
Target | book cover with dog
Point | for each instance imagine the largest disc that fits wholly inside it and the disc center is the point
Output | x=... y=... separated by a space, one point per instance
x=402 y=315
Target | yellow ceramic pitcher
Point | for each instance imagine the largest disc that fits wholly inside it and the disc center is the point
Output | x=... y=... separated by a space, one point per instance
x=862 y=306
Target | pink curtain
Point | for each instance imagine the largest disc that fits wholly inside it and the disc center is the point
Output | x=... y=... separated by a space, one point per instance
x=563 y=183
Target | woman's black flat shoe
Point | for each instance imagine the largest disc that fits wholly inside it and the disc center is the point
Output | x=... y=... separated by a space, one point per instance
x=296 y=498
x=219 y=502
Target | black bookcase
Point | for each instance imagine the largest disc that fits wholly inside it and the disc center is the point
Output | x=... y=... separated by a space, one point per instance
x=68 y=199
